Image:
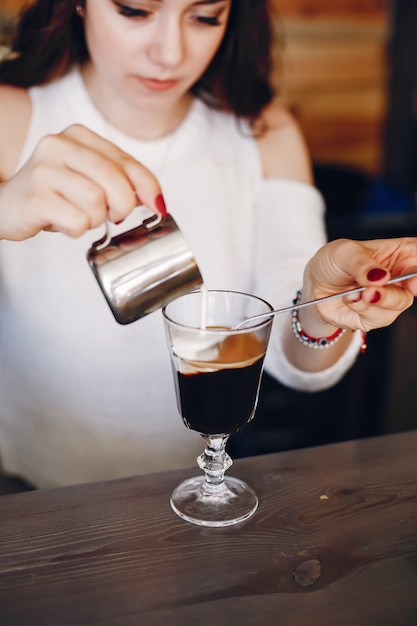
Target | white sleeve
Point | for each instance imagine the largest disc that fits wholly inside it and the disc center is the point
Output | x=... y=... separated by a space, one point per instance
x=290 y=228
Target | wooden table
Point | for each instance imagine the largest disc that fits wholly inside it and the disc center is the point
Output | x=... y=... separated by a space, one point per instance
x=334 y=543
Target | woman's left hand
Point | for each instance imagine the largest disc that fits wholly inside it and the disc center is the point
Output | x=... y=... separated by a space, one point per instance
x=345 y=264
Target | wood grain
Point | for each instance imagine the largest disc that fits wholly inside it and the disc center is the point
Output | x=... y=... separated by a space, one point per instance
x=13 y=6
x=341 y=9
x=335 y=77
x=334 y=541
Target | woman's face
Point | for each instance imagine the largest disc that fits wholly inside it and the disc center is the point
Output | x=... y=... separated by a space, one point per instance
x=151 y=52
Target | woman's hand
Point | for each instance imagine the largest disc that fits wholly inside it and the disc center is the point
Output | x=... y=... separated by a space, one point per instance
x=73 y=182
x=344 y=264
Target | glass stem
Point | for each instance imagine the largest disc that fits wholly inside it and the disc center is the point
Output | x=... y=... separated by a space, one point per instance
x=214 y=462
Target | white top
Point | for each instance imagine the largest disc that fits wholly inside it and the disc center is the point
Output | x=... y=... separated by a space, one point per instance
x=84 y=398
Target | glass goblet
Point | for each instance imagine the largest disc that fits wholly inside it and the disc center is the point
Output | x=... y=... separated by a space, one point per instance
x=217 y=373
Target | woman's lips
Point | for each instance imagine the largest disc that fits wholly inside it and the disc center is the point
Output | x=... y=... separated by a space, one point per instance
x=154 y=84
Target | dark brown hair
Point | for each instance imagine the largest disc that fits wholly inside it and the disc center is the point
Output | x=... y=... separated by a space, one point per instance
x=50 y=38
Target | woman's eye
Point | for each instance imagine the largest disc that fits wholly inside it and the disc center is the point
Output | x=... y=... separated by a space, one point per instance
x=130 y=11
x=210 y=21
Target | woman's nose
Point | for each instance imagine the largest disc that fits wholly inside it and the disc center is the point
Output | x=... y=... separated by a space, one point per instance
x=168 y=46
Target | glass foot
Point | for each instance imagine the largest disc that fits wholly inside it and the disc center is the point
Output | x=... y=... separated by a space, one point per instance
x=197 y=502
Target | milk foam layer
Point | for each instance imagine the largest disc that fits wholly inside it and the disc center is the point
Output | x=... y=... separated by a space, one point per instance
x=193 y=347
x=211 y=351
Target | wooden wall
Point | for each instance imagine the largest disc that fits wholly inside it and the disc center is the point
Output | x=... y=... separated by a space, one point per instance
x=8 y=12
x=12 y=6
x=336 y=72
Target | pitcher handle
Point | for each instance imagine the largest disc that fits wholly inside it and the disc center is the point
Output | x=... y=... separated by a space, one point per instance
x=105 y=240
x=152 y=221
x=149 y=223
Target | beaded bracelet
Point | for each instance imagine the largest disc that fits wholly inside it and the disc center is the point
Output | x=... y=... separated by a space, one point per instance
x=306 y=339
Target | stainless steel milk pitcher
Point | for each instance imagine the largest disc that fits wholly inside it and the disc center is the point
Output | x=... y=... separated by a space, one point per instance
x=143 y=269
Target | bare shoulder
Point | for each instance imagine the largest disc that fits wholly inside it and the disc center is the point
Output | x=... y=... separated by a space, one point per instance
x=282 y=145
x=15 y=112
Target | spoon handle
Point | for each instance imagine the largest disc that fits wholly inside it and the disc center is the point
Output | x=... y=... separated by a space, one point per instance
x=295 y=307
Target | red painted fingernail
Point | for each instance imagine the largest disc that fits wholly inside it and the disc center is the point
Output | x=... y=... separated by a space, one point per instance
x=376 y=297
x=119 y=222
x=376 y=274
x=160 y=205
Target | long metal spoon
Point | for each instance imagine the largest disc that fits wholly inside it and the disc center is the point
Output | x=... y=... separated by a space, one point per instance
x=295 y=307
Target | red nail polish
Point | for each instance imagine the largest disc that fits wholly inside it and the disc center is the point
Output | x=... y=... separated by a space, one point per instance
x=376 y=297
x=119 y=222
x=376 y=274
x=160 y=205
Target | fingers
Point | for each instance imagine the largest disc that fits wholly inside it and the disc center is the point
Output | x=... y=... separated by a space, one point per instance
x=390 y=297
x=344 y=264
x=380 y=304
x=124 y=182
x=74 y=181
x=331 y=270
x=379 y=307
x=74 y=204
x=356 y=263
x=399 y=256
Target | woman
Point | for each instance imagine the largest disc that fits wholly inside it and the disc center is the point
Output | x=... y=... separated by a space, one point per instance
x=107 y=104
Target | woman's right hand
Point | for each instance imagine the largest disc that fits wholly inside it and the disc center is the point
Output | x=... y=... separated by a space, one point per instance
x=73 y=182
